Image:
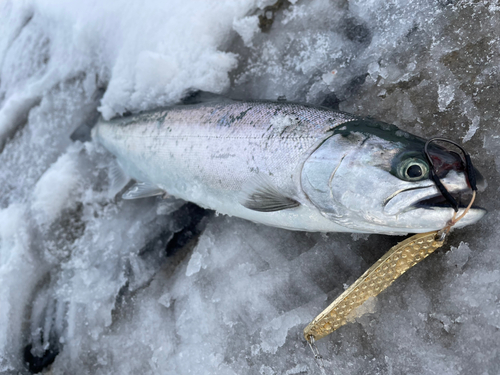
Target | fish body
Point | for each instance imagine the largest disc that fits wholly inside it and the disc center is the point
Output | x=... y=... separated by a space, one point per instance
x=282 y=164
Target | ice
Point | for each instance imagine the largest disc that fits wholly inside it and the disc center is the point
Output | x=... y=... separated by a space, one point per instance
x=195 y=263
x=99 y=285
x=472 y=129
x=458 y=256
x=446 y=95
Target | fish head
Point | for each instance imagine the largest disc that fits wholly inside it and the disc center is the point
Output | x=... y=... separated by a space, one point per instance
x=372 y=177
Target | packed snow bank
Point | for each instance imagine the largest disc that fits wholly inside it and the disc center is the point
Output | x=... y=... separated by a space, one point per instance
x=132 y=49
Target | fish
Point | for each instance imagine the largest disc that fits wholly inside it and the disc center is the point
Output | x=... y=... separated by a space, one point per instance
x=288 y=165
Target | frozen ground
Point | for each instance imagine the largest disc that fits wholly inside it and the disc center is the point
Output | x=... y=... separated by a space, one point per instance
x=104 y=286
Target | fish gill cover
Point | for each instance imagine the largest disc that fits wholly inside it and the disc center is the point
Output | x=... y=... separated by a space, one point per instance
x=94 y=285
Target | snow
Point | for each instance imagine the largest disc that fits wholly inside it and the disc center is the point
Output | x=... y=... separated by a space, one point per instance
x=157 y=286
x=55 y=190
x=247 y=27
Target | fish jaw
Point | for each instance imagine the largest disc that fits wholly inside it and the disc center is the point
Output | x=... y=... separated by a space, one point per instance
x=439 y=213
x=426 y=195
x=436 y=218
x=426 y=204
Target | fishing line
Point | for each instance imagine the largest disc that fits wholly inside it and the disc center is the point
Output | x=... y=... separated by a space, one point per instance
x=470 y=174
x=455 y=219
x=318 y=358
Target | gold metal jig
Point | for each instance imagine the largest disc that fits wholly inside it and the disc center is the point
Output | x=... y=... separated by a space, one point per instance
x=378 y=277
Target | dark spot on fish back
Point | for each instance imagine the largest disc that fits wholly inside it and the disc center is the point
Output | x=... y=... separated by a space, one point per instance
x=224 y=121
x=243 y=114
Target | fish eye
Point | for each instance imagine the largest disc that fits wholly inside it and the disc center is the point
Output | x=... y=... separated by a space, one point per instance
x=413 y=169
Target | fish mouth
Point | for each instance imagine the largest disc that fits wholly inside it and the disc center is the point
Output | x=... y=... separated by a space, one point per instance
x=437 y=208
x=463 y=199
x=425 y=197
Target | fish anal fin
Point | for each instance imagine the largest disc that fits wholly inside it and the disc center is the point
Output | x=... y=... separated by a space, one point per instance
x=118 y=179
x=261 y=195
x=142 y=190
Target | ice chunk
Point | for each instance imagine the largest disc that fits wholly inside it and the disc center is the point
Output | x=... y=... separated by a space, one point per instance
x=472 y=129
x=57 y=188
x=446 y=95
x=458 y=256
x=275 y=332
x=195 y=264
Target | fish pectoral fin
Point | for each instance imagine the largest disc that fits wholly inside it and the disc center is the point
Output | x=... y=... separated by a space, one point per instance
x=261 y=195
x=142 y=190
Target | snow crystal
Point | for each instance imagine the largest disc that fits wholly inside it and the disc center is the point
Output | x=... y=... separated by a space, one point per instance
x=247 y=27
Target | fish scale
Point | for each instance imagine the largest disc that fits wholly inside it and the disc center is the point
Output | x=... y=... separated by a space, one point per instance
x=213 y=141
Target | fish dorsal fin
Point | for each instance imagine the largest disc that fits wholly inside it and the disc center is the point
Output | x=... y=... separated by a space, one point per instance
x=142 y=190
x=198 y=97
x=261 y=195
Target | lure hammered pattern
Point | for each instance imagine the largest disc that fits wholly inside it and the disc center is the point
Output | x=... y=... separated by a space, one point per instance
x=378 y=277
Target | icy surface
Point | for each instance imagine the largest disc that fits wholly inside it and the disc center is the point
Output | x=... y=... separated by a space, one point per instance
x=105 y=286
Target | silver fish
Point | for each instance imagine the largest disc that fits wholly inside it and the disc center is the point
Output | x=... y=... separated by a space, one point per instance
x=287 y=165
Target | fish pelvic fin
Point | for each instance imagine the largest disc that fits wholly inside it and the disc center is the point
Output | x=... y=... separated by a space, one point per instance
x=261 y=195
